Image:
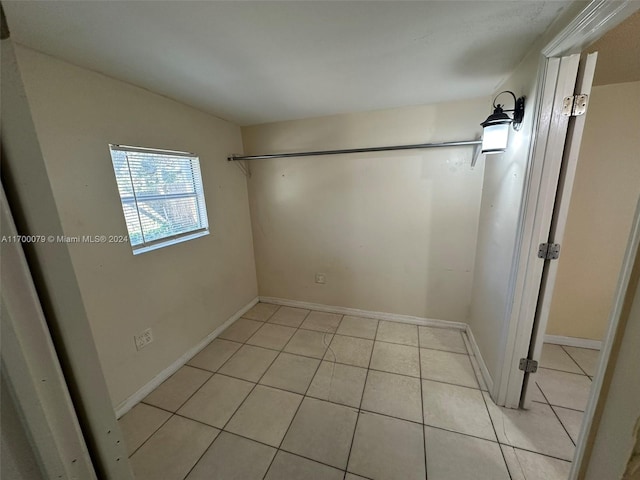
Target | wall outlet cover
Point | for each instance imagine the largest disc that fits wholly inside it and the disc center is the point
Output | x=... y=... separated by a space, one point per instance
x=143 y=339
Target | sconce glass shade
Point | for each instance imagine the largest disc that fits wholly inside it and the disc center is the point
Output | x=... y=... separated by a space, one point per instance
x=496 y=132
x=494 y=138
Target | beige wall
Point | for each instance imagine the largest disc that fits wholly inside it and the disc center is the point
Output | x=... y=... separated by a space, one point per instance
x=392 y=231
x=183 y=292
x=612 y=444
x=605 y=192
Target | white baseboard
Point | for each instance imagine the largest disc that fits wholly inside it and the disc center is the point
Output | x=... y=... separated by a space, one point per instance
x=134 y=399
x=483 y=366
x=430 y=322
x=573 y=342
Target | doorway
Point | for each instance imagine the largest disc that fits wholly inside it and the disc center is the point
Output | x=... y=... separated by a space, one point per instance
x=606 y=188
x=578 y=292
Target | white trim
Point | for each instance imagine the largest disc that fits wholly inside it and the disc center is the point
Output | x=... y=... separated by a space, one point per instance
x=570 y=157
x=134 y=399
x=32 y=372
x=525 y=276
x=170 y=241
x=573 y=342
x=562 y=157
x=486 y=376
x=394 y=317
x=590 y=24
x=130 y=148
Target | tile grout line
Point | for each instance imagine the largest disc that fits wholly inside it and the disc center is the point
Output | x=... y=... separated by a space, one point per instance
x=364 y=386
x=564 y=371
x=295 y=330
x=263 y=374
x=266 y=472
x=443 y=429
x=558 y=406
x=346 y=365
x=154 y=432
x=235 y=411
x=562 y=423
x=581 y=372
x=179 y=407
x=172 y=413
x=537 y=453
x=277 y=449
x=336 y=403
x=305 y=395
x=342 y=363
x=575 y=361
x=495 y=432
x=525 y=449
x=217 y=372
x=302 y=456
x=548 y=402
x=556 y=415
x=423 y=428
x=347 y=406
x=360 y=410
x=352 y=336
x=175 y=414
x=189 y=397
x=270 y=446
x=299 y=327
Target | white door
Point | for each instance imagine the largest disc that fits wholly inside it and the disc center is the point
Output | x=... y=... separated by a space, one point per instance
x=567 y=154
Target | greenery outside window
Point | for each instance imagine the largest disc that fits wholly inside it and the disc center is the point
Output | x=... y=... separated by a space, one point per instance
x=161 y=194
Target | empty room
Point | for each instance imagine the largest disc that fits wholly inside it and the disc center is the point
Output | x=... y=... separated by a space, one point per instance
x=320 y=240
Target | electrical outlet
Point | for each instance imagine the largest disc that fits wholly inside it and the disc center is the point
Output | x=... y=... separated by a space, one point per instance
x=143 y=339
x=320 y=278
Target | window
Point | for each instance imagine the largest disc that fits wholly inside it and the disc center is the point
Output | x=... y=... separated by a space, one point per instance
x=162 y=196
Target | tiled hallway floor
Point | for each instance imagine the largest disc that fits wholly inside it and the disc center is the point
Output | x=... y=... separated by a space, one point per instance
x=564 y=382
x=289 y=394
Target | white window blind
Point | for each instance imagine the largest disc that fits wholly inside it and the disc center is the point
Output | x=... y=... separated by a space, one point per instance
x=162 y=196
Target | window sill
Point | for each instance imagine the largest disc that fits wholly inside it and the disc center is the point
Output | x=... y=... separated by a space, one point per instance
x=172 y=241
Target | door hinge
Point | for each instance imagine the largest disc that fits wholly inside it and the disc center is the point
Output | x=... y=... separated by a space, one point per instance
x=528 y=366
x=549 y=251
x=575 y=105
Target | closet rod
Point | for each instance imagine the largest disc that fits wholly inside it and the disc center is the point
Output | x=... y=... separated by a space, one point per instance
x=355 y=150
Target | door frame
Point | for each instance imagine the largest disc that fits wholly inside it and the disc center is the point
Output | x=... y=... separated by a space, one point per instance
x=56 y=285
x=558 y=156
x=545 y=155
x=32 y=371
x=536 y=219
x=565 y=179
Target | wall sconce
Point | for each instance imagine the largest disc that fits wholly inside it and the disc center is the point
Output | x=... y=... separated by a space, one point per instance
x=496 y=126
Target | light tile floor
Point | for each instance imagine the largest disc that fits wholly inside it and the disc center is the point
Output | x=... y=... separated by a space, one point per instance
x=289 y=394
x=564 y=382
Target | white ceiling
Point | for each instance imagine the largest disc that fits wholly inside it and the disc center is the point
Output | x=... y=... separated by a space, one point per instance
x=256 y=62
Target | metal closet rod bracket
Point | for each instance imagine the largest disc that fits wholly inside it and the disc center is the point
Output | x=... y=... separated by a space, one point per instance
x=416 y=146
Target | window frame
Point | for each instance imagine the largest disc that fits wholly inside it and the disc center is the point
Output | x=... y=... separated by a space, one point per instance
x=198 y=195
